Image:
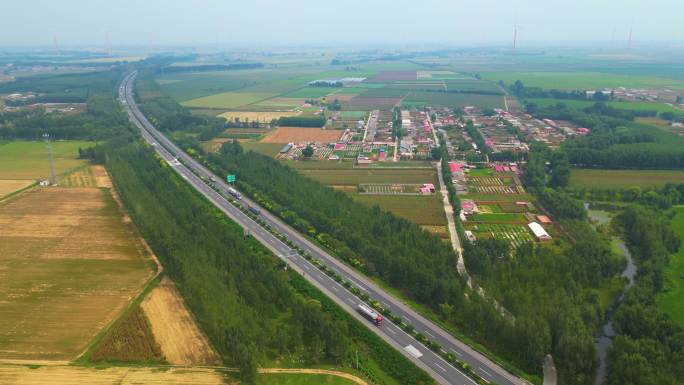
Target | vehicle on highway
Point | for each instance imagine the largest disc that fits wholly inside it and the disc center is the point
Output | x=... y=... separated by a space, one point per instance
x=234 y=193
x=254 y=210
x=212 y=179
x=369 y=314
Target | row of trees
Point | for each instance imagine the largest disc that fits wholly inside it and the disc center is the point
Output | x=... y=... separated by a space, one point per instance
x=662 y=198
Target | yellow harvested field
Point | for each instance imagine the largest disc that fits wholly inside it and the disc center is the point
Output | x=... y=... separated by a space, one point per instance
x=8 y=186
x=69 y=375
x=101 y=176
x=302 y=134
x=68 y=266
x=15 y=373
x=260 y=116
x=174 y=328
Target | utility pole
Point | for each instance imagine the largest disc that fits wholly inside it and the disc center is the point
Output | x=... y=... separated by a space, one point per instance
x=53 y=175
x=515 y=37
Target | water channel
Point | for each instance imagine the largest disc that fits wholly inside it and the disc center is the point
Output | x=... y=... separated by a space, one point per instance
x=605 y=339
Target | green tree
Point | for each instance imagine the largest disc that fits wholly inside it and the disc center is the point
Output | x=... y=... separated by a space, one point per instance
x=308 y=152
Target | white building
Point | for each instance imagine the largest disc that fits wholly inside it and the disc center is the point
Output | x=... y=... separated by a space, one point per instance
x=539 y=231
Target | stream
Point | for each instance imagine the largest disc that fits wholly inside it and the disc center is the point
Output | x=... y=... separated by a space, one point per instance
x=605 y=339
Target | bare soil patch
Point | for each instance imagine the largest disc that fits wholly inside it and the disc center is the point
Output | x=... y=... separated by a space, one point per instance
x=302 y=134
x=174 y=328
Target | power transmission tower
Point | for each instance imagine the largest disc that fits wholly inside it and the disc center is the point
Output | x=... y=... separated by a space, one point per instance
x=53 y=175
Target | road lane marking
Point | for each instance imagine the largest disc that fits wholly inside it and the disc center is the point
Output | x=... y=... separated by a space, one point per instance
x=440 y=366
x=429 y=334
x=456 y=352
x=391 y=331
x=485 y=372
x=351 y=301
x=307 y=267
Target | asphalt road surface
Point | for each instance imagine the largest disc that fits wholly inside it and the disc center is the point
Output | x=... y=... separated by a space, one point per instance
x=216 y=191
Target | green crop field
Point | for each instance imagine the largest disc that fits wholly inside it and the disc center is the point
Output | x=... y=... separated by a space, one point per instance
x=481 y=172
x=348 y=91
x=498 y=197
x=672 y=300
x=353 y=176
x=353 y=114
x=300 y=379
x=310 y=92
x=472 y=85
x=28 y=160
x=422 y=210
x=499 y=217
x=452 y=100
x=228 y=99
x=636 y=106
x=270 y=149
x=580 y=80
x=602 y=178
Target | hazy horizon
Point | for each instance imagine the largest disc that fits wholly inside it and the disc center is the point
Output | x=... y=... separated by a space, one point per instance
x=351 y=23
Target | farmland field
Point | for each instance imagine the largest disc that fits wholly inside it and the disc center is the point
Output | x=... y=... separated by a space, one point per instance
x=259 y=116
x=516 y=235
x=498 y=197
x=278 y=104
x=228 y=99
x=453 y=100
x=85 y=265
x=499 y=217
x=68 y=375
x=331 y=173
x=580 y=80
x=301 y=134
x=310 y=92
x=426 y=211
x=636 y=106
x=122 y=375
x=269 y=149
x=8 y=186
x=174 y=329
x=422 y=210
x=603 y=178
x=130 y=340
x=672 y=300
x=28 y=160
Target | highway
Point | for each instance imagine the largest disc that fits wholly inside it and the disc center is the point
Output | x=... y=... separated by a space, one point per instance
x=201 y=179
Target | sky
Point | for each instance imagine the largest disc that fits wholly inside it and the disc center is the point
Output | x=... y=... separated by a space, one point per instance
x=342 y=22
